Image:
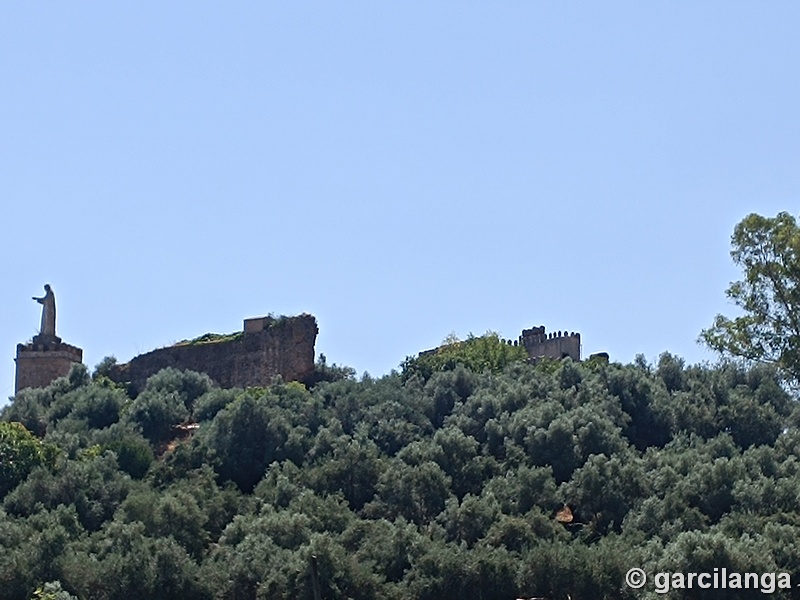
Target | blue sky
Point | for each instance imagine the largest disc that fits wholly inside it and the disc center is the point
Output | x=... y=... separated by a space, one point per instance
x=400 y=170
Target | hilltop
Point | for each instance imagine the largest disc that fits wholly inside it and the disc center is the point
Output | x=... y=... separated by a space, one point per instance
x=469 y=473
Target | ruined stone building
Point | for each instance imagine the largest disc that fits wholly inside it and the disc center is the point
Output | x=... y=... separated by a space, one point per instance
x=540 y=344
x=265 y=348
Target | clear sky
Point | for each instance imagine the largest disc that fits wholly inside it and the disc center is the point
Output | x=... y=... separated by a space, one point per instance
x=400 y=170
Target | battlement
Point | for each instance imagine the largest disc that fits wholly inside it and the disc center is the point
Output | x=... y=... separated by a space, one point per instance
x=43 y=360
x=266 y=347
x=540 y=344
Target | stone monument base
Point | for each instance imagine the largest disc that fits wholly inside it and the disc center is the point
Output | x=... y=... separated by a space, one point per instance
x=43 y=360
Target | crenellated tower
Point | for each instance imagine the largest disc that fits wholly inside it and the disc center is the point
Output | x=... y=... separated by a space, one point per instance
x=557 y=344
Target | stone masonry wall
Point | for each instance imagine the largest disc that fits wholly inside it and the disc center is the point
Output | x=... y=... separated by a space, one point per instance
x=267 y=347
x=557 y=345
x=39 y=364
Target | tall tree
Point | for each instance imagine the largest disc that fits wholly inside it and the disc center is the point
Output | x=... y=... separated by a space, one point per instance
x=768 y=251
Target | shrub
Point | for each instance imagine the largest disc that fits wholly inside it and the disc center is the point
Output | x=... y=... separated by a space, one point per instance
x=20 y=453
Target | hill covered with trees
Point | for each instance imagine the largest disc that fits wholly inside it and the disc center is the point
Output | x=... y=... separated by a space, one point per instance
x=471 y=474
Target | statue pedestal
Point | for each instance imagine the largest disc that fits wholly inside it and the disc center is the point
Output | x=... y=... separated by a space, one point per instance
x=46 y=340
x=43 y=360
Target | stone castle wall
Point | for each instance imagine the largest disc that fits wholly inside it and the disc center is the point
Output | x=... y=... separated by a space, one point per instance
x=38 y=364
x=267 y=347
x=557 y=345
x=540 y=344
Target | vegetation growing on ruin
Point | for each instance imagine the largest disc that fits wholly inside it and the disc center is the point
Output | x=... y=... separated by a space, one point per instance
x=211 y=338
x=214 y=338
x=485 y=353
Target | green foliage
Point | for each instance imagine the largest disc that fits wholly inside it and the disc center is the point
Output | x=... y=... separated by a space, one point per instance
x=416 y=493
x=99 y=406
x=438 y=485
x=768 y=251
x=166 y=401
x=328 y=373
x=211 y=338
x=103 y=368
x=478 y=354
x=20 y=453
x=134 y=455
x=187 y=385
x=30 y=550
x=352 y=467
x=52 y=591
x=576 y=570
x=94 y=487
x=125 y=563
x=209 y=404
x=156 y=414
x=246 y=437
x=30 y=408
x=452 y=572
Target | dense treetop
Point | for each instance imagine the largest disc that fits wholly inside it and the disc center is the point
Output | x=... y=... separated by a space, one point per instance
x=441 y=481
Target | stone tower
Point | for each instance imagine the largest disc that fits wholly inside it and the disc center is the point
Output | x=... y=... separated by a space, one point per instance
x=556 y=345
x=46 y=357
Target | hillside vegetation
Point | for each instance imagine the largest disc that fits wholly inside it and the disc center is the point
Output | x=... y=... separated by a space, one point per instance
x=493 y=481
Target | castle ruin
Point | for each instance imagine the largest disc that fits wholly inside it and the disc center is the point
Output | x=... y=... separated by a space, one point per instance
x=540 y=344
x=265 y=348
